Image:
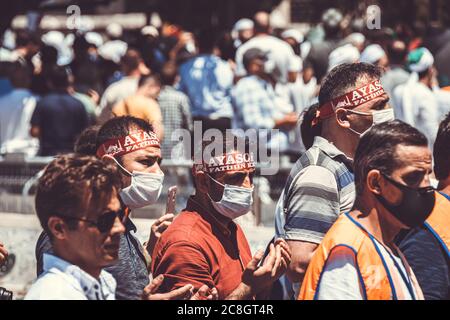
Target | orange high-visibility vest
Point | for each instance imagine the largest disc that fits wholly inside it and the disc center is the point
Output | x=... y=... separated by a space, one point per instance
x=439 y=221
x=376 y=280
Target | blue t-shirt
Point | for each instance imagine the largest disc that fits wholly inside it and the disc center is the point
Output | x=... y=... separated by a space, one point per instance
x=207 y=81
x=61 y=118
x=429 y=262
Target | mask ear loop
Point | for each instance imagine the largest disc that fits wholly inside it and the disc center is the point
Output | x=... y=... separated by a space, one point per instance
x=219 y=183
x=360 y=114
x=117 y=162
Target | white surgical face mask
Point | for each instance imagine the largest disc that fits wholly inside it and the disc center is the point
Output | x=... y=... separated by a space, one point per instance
x=379 y=116
x=144 y=190
x=235 y=202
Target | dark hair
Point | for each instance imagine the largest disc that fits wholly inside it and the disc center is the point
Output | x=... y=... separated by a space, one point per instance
x=261 y=25
x=58 y=77
x=86 y=143
x=206 y=40
x=73 y=185
x=80 y=44
x=377 y=149
x=153 y=77
x=397 y=52
x=49 y=55
x=309 y=131
x=24 y=38
x=131 y=60
x=225 y=44
x=120 y=127
x=441 y=150
x=345 y=76
x=423 y=74
x=20 y=75
x=169 y=72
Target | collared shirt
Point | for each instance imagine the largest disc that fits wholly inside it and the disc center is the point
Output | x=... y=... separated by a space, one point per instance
x=197 y=249
x=130 y=271
x=176 y=114
x=16 y=108
x=62 y=280
x=319 y=188
x=207 y=81
x=257 y=106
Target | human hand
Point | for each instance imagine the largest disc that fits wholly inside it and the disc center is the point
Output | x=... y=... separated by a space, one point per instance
x=205 y=293
x=3 y=254
x=158 y=227
x=183 y=293
x=275 y=264
x=95 y=97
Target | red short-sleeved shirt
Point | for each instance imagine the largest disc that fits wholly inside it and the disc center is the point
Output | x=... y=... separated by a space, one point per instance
x=197 y=249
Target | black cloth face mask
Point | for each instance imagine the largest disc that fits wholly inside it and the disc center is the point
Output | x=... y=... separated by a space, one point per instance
x=416 y=204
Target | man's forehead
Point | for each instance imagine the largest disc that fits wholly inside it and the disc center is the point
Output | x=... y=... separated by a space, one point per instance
x=384 y=98
x=414 y=156
x=234 y=172
x=107 y=202
x=146 y=152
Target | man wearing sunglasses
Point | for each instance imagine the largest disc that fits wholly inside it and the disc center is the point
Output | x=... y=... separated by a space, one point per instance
x=358 y=258
x=78 y=206
x=131 y=144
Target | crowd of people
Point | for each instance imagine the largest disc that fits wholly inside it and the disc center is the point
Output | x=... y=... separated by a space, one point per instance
x=365 y=211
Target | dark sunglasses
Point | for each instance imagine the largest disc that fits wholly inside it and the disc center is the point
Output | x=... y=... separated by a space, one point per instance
x=106 y=221
x=399 y=185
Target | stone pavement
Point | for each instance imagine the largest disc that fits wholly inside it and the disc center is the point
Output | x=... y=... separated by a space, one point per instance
x=19 y=233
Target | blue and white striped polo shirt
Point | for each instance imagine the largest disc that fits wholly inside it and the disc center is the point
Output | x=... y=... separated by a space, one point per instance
x=319 y=188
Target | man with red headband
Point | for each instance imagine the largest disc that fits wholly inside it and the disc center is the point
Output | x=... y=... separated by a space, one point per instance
x=321 y=184
x=134 y=147
x=204 y=245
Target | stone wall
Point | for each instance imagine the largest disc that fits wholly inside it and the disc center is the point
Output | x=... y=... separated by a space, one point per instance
x=19 y=233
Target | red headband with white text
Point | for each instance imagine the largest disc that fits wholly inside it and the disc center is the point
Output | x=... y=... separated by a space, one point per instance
x=227 y=162
x=350 y=100
x=136 y=140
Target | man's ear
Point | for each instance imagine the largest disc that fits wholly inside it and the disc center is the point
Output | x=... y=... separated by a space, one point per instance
x=342 y=118
x=57 y=227
x=373 y=181
x=202 y=181
x=108 y=159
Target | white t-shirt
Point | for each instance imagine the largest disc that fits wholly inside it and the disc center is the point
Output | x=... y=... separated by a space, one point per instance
x=418 y=106
x=443 y=98
x=16 y=109
x=278 y=50
x=340 y=280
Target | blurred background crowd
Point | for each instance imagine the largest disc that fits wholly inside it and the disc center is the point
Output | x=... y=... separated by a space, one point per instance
x=260 y=71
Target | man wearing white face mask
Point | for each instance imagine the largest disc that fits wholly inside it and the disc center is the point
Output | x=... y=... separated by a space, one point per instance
x=321 y=185
x=132 y=144
x=204 y=245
